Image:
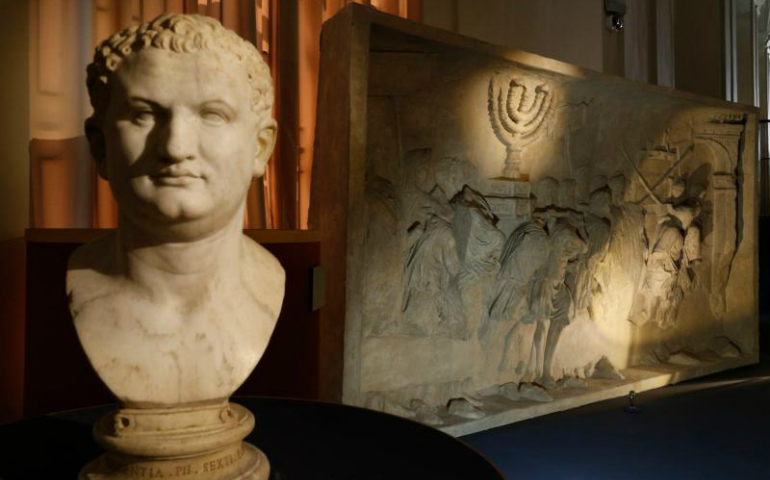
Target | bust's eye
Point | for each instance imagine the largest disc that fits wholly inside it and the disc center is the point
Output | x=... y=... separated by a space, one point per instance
x=214 y=116
x=143 y=116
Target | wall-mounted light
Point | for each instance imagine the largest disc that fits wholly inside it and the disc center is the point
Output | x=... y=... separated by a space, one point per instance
x=614 y=11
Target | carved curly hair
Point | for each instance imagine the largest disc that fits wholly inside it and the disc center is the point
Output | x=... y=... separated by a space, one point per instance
x=182 y=34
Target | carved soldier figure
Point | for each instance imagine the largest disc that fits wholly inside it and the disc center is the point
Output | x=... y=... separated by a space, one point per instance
x=431 y=298
x=451 y=241
x=597 y=226
x=541 y=309
x=552 y=301
x=432 y=301
x=668 y=274
x=479 y=241
x=619 y=274
x=508 y=313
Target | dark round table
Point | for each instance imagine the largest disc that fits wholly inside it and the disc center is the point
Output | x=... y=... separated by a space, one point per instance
x=303 y=440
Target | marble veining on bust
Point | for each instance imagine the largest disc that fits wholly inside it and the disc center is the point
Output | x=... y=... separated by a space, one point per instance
x=156 y=346
x=177 y=306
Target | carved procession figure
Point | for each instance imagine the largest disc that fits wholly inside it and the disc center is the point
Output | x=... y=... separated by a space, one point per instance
x=669 y=271
x=501 y=252
x=597 y=226
x=533 y=297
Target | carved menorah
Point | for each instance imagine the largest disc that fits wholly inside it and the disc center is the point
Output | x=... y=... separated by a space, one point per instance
x=517 y=117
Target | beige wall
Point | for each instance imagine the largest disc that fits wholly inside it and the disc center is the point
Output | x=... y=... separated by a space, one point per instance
x=567 y=30
x=14 y=118
x=640 y=46
x=698 y=44
x=677 y=42
x=745 y=49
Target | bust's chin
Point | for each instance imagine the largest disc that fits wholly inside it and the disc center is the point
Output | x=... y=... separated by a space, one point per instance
x=180 y=221
x=175 y=209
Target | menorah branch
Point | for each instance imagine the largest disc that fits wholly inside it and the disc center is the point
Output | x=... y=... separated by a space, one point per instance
x=516 y=117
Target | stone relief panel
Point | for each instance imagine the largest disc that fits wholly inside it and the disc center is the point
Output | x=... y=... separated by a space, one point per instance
x=538 y=233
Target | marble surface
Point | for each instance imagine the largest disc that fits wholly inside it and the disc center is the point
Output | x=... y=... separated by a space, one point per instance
x=176 y=307
x=166 y=307
x=158 y=347
x=513 y=224
x=502 y=411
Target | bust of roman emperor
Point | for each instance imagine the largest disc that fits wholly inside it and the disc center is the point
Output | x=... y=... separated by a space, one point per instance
x=176 y=306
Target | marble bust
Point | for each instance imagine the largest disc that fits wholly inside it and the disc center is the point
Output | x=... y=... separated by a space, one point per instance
x=176 y=307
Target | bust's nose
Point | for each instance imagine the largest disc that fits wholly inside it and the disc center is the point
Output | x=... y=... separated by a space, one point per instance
x=178 y=141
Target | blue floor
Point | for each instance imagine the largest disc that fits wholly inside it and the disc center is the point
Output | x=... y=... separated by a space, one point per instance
x=717 y=427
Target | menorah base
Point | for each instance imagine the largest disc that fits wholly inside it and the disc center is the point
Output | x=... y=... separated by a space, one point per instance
x=513 y=177
x=512 y=168
x=194 y=443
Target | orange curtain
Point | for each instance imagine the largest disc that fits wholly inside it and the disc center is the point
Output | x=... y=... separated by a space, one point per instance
x=287 y=32
x=311 y=15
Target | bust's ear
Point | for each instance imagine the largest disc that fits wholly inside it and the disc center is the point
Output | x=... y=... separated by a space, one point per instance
x=95 y=137
x=265 y=144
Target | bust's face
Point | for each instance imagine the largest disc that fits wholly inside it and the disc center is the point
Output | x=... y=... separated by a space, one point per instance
x=181 y=140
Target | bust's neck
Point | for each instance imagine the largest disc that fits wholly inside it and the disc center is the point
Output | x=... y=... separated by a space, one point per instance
x=182 y=268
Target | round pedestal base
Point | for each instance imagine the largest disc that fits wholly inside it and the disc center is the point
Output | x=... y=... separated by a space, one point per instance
x=246 y=462
x=193 y=443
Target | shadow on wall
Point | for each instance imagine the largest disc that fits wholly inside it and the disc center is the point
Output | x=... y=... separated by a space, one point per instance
x=764 y=284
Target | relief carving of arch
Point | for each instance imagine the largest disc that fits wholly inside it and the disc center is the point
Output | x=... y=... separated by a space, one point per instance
x=720 y=143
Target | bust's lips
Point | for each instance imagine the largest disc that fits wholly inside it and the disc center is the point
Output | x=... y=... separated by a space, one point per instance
x=175 y=177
